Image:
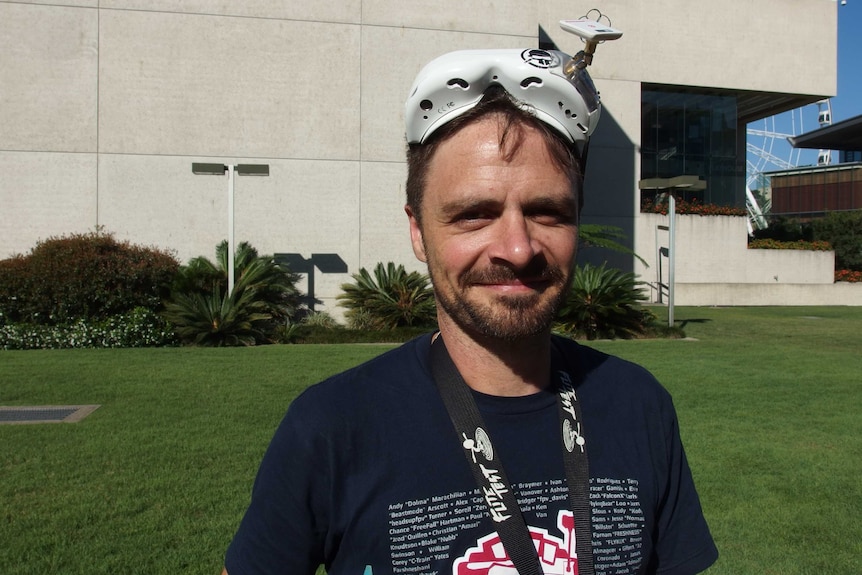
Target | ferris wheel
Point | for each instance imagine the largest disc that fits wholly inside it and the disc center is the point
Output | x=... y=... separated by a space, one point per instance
x=768 y=150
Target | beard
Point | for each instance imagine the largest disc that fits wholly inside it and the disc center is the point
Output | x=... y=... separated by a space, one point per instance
x=505 y=317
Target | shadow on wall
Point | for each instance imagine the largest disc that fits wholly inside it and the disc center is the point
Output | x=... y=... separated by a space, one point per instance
x=610 y=190
x=611 y=196
x=324 y=263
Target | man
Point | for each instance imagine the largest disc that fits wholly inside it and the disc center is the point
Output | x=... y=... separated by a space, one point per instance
x=446 y=454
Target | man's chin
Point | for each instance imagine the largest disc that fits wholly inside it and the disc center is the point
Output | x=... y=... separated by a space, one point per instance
x=512 y=320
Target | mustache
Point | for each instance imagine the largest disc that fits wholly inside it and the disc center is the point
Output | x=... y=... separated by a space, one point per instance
x=535 y=271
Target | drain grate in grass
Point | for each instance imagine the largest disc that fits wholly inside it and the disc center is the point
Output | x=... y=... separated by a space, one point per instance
x=46 y=413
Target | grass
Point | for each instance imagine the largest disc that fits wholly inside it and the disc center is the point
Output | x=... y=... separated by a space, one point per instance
x=155 y=480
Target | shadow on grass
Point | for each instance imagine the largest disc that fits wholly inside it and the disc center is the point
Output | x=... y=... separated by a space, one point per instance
x=684 y=322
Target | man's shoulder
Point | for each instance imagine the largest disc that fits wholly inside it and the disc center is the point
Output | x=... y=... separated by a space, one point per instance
x=394 y=371
x=589 y=359
x=609 y=373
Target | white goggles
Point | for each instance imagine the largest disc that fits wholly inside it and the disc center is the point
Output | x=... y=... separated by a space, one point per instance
x=549 y=83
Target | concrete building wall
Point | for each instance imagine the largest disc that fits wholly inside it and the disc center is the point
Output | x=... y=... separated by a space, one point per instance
x=713 y=266
x=714 y=249
x=104 y=105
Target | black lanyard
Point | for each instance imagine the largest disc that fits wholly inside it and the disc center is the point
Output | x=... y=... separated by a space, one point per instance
x=488 y=470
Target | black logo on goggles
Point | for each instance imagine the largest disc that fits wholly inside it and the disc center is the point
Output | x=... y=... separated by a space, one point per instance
x=540 y=58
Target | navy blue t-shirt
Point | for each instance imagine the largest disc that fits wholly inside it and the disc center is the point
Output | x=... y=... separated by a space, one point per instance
x=366 y=475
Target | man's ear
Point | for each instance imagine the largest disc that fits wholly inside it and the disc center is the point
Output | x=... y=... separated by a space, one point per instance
x=416 y=235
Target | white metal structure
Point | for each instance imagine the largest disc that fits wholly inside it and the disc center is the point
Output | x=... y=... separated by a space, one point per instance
x=768 y=149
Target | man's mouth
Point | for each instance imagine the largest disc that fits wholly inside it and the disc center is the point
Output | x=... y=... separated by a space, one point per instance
x=507 y=280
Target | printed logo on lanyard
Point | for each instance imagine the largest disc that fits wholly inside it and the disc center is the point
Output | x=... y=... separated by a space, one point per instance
x=493 y=486
x=572 y=435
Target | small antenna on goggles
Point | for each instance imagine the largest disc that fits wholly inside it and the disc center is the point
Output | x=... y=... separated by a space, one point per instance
x=592 y=32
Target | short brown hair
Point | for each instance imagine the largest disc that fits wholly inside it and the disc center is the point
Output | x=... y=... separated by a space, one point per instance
x=513 y=116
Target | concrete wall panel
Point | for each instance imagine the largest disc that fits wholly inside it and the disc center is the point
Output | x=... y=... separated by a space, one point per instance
x=768 y=294
x=714 y=249
x=48 y=78
x=345 y=11
x=385 y=233
x=44 y=195
x=77 y=3
x=155 y=200
x=302 y=207
x=737 y=45
x=510 y=17
x=178 y=84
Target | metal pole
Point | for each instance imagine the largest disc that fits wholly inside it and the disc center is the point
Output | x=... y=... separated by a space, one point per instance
x=671 y=257
x=230 y=231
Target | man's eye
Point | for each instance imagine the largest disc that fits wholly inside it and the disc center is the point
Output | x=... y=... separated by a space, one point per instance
x=551 y=217
x=473 y=216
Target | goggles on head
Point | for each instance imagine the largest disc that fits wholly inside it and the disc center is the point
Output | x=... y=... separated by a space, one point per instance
x=551 y=84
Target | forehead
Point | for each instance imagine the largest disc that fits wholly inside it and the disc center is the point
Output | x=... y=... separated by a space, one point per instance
x=490 y=154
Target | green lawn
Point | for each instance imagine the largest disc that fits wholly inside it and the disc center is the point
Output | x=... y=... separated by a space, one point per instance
x=156 y=479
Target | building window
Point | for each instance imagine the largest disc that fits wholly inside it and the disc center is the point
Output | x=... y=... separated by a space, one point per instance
x=693 y=135
x=849 y=156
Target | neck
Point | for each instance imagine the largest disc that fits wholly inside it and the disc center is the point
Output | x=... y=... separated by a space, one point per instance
x=499 y=367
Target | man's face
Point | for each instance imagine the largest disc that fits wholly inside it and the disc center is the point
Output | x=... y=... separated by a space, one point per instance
x=499 y=234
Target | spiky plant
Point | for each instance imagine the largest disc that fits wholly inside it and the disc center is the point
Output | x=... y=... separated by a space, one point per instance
x=603 y=304
x=605 y=237
x=263 y=299
x=211 y=319
x=389 y=298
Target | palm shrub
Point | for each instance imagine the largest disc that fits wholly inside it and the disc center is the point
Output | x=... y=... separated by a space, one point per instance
x=605 y=237
x=212 y=319
x=264 y=299
x=389 y=298
x=603 y=303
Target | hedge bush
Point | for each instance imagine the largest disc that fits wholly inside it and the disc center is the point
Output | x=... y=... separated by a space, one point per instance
x=139 y=328
x=83 y=276
x=785 y=229
x=848 y=276
x=844 y=231
x=311 y=334
x=770 y=244
x=661 y=206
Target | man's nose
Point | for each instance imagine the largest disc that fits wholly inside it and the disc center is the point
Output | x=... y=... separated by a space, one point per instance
x=514 y=242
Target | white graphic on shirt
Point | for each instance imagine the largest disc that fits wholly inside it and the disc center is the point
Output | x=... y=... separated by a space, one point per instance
x=428 y=535
x=557 y=555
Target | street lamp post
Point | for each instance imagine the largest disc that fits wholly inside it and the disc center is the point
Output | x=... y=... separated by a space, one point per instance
x=219 y=170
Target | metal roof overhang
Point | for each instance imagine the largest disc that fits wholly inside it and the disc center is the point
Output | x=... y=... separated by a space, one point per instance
x=844 y=135
x=750 y=106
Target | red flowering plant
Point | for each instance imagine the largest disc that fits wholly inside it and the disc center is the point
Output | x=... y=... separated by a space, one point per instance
x=848 y=276
x=651 y=206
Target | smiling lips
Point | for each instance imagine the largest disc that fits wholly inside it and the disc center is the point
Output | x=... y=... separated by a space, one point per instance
x=517 y=285
x=537 y=278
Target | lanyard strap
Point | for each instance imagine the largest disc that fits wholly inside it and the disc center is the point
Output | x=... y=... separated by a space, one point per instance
x=491 y=478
